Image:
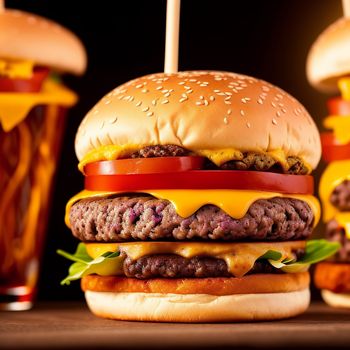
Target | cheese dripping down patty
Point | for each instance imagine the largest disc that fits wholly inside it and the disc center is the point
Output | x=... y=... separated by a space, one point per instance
x=239 y=257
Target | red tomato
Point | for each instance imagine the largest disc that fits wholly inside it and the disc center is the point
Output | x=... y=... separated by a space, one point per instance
x=25 y=85
x=203 y=179
x=332 y=150
x=144 y=165
x=338 y=106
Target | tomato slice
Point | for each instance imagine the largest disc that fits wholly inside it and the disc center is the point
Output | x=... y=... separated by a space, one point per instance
x=338 y=106
x=25 y=85
x=332 y=150
x=203 y=179
x=144 y=165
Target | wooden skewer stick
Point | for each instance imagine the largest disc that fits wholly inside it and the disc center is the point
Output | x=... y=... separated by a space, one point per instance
x=346 y=8
x=172 y=36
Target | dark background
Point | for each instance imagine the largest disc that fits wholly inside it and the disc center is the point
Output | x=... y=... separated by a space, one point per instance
x=124 y=39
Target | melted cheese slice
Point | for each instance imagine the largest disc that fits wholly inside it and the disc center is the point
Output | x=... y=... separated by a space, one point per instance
x=186 y=202
x=344 y=87
x=340 y=126
x=16 y=69
x=239 y=257
x=218 y=156
x=14 y=106
x=335 y=173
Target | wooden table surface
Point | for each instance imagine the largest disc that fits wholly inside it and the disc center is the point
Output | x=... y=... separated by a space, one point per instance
x=70 y=325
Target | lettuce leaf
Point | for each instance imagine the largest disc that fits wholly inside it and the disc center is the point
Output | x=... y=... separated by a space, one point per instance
x=109 y=263
x=316 y=250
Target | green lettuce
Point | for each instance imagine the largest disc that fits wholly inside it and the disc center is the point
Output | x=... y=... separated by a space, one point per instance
x=316 y=251
x=111 y=263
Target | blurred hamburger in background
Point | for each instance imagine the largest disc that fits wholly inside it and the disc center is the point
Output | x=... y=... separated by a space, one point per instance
x=34 y=51
x=197 y=202
x=328 y=69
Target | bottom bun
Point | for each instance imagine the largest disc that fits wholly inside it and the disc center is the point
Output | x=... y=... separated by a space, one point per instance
x=336 y=299
x=160 y=307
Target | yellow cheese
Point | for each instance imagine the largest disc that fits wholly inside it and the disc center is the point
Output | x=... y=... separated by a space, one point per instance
x=340 y=126
x=344 y=87
x=217 y=156
x=16 y=69
x=14 y=106
x=234 y=202
x=239 y=257
x=335 y=173
x=343 y=219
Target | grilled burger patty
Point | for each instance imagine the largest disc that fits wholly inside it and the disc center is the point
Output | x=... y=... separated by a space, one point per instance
x=340 y=196
x=249 y=161
x=175 y=266
x=118 y=219
x=336 y=233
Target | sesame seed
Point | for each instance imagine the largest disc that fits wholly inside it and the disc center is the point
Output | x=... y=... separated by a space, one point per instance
x=201 y=97
x=102 y=124
x=144 y=90
x=227 y=102
x=260 y=101
x=212 y=98
x=228 y=93
x=227 y=98
x=184 y=95
x=181 y=83
x=121 y=97
x=242 y=113
x=244 y=100
x=167 y=94
x=274 y=121
x=131 y=98
x=206 y=103
x=107 y=102
x=149 y=114
x=182 y=99
x=248 y=125
x=189 y=91
x=273 y=104
x=145 y=109
x=193 y=80
x=96 y=111
x=159 y=87
x=278 y=113
x=164 y=102
x=265 y=88
x=165 y=91
x=199 y=103
x=204 y=85
x=139 y=86
x=216 y=90
x=284 y=110
x=225 y=120
x=114 y=120
x=229 y=111
x=138 y=104
x=187 y=87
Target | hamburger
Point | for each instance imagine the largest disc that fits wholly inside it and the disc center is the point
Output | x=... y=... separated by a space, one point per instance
x=34 y=53
x=197 y=201
x=328 y=70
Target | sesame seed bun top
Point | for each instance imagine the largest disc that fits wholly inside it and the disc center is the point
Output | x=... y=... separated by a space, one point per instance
x=24 y=36
x=329 y=56
x=201 y=110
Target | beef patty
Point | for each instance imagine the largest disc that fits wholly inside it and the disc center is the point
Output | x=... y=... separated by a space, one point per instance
x=249 y=160
x=119 y=219
x=175 y=266
x=335 y=233
x=340 y=196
